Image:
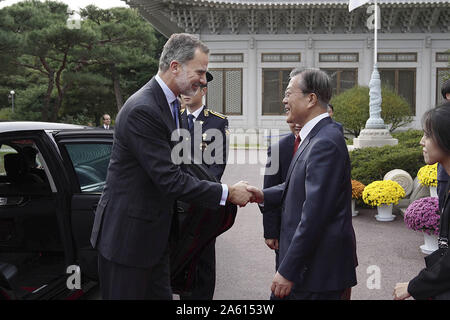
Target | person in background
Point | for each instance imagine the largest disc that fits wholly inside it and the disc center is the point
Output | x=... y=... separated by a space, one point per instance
x=198 y=119
x=442 y=176
x=106 y=118
x=286 y=148
x=330 y=110
x=433 y=282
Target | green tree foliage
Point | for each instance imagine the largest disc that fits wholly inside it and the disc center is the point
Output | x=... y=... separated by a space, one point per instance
x=73 y=74
x=351 y=108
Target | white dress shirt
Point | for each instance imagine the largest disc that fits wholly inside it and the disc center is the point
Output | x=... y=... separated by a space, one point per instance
x=310 y=125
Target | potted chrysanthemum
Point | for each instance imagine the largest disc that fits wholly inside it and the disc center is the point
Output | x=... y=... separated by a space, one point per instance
x=427 y=176
x=357 y=190
x=423 y=215
x=383 y=194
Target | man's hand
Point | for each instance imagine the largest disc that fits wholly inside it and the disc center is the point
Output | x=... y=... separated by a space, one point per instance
x=281 y=287
x=401 y=291
x=238 y=193
x=257 y=194
x=272 y=243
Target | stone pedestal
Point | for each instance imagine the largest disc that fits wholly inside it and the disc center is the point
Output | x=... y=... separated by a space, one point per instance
x=374 y=138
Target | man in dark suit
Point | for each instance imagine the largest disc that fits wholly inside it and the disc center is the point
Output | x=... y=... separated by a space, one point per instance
x=317 y=241
x=134 y=214
x=330 y=110
x=205 y=126
x=106 y=118
x=442 y=176
x=285 y=148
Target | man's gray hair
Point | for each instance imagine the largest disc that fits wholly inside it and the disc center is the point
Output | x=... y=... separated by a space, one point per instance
x=180 y=47
x=314 y=81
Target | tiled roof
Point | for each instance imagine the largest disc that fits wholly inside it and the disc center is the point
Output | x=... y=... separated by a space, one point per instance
x=299 y=3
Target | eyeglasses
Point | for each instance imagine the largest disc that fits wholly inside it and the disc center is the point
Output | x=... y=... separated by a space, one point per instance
x=287 y=94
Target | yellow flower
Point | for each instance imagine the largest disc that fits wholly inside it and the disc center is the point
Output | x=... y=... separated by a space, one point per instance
x=427 y=175
x=383 y=192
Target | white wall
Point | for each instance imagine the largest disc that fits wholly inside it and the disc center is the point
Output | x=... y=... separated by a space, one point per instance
x=252 y=46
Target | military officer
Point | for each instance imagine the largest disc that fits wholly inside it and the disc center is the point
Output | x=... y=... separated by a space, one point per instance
x=206 y=127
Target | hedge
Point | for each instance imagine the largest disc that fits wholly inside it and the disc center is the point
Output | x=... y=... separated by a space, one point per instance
x=371 y=164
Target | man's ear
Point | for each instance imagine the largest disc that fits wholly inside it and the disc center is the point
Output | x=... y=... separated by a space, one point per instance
x=175 y=66
x=312 y=100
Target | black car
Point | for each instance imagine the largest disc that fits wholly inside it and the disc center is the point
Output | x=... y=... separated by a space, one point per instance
x=51 y=178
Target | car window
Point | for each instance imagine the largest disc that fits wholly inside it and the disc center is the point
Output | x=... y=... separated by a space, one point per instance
x=90 y=161
x=5 y=149
x=20 y=171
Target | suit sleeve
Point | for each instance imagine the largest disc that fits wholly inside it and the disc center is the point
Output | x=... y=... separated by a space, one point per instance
x=217 y=169
x=431 y=281
x=271 y=217
x=148 y=140
x=325 y=169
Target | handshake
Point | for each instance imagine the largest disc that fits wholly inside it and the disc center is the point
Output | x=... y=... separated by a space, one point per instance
x=242 y=193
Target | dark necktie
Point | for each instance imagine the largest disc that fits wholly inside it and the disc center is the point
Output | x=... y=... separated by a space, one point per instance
x=296 y=143
x=175 y=112
x=190 y=121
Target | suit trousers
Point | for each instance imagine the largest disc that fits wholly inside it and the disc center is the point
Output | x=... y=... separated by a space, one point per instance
x=120 y=282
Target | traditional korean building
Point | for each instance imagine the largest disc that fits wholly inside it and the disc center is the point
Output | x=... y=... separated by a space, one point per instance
x=255 y=44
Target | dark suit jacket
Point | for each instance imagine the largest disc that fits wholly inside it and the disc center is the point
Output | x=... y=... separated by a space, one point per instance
x=317 y=240
x=134 y=214
x=436 y=279
x=442 y=178
x=284 y=148
x=340 y=126
x=209 y=120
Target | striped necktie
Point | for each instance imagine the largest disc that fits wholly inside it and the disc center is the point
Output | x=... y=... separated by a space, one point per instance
x=175 y=112
x=296 y=143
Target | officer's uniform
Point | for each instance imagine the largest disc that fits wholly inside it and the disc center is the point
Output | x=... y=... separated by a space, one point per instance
x=207 y=119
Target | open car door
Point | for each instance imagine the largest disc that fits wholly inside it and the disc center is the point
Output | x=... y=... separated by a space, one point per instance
x=86 y=155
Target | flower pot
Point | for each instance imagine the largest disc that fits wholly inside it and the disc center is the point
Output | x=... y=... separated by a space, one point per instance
x=433 y=192
x=354 y=212
x=385 y=213
x=431 y=243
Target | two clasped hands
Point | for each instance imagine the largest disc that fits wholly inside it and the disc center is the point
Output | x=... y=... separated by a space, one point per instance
x=241 y=194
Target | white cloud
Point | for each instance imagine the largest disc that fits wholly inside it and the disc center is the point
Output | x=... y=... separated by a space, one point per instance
x=75 y=5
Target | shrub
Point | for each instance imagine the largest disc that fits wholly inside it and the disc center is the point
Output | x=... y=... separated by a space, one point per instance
x=371 y=164
x=395 y=110
x=410 y=138
x=351 y=108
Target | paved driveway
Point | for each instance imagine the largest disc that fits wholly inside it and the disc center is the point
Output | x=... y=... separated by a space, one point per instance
x=245 y=265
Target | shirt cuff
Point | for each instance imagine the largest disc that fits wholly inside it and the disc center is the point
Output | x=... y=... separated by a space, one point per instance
x=224 y=194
